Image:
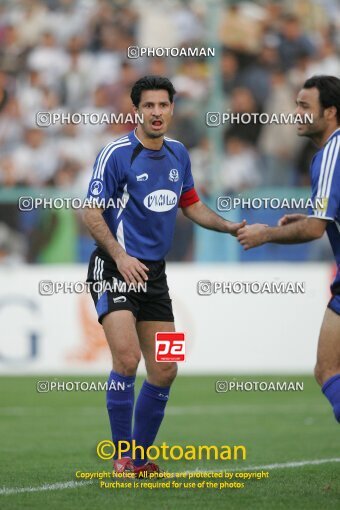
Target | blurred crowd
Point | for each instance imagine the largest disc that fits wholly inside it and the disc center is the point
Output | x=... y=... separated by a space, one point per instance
x=71 y=56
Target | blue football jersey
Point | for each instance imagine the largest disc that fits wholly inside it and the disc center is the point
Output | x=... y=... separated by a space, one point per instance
x=149 y=185
x=325 y=177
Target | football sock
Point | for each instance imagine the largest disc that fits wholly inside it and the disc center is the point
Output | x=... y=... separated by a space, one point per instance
x=119 y=402
x=331 y=390
x=149 y=413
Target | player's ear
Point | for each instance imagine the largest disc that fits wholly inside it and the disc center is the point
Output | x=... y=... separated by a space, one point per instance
x=331 y=112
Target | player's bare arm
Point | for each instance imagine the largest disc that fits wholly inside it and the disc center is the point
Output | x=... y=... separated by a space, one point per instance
x=205 y=217
x=131 y=268
x=291 y=218
x=302 y=231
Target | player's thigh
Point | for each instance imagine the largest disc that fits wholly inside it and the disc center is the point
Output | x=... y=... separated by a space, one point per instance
x=328 y=354
x=157 y=372
x=121 y=334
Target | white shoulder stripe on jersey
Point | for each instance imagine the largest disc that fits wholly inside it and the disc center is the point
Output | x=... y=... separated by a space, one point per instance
x=329 y=164
x=104 y=152
x=327 y=184
x=112 y=149
x=329 y=168
x=333 y=165
x=322 y=169
x=172 y=140
x=325 y=167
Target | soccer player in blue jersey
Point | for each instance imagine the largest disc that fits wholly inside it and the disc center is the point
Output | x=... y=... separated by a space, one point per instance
x=152 y=174
x=320 y=96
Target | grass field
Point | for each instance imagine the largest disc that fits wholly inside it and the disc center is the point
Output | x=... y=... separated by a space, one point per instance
x=47 y=437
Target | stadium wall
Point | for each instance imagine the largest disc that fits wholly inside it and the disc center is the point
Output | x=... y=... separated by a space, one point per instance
x=226 y=333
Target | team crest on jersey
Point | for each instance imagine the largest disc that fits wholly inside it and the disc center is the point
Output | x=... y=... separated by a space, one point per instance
x=96 y=188
x=173 y=175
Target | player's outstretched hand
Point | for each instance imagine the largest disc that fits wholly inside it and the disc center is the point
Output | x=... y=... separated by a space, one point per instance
x=234 y=227
x=132 y=270
x=290 y=218
x=251 y=236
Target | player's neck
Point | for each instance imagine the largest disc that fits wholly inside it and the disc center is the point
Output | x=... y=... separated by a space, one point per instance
x=154 y=144
x=321 y=139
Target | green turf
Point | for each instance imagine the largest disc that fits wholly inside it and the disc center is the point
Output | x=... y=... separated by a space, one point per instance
x=47 y=437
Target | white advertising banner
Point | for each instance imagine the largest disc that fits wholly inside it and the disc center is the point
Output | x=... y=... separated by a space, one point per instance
x=237 y=319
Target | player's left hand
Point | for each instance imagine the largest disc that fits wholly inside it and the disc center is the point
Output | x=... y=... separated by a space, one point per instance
x=234 y=227
x=252 y=235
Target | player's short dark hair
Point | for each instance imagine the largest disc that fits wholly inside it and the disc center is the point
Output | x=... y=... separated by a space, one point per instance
x=329 y=91
x=151 y=83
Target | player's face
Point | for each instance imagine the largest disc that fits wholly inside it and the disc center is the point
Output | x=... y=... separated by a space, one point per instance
x=307 y=102
x=157 y=111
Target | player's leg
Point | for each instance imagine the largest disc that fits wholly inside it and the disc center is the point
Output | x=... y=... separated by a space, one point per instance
x=154 y=394
x=116 y=312
x=121 y=335
x=160 y=374
x=327 y=370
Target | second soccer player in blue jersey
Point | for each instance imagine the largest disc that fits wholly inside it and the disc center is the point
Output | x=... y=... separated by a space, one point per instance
x=152 y=175
x=320 y=95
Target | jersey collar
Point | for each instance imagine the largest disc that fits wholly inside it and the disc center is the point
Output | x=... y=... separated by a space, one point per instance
x=146 y=148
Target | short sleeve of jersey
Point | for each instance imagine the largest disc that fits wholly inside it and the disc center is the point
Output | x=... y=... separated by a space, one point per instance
x=105 y=178
x=325 y=173
x=188 y=182
x=188 y=195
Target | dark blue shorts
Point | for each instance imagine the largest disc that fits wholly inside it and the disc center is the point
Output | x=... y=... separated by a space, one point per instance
x=154 y=304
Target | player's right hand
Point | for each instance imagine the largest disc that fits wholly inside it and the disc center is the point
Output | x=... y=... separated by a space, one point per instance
x=290 y=218
x=132 y=270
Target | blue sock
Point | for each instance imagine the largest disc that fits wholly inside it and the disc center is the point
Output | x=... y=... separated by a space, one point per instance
x=331 y=390
x=149 y=413
x=120 y=398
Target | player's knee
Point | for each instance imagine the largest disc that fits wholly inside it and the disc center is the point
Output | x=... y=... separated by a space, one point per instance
x=166 y=374
x=324 y=371
x=126 y=364
x=319 y=374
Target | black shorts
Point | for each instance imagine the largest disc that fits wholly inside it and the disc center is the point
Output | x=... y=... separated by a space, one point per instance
x=148 y=302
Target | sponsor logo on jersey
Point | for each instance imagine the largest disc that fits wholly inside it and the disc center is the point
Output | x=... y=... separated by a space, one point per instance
x=96 y=188
x=161 y=200
x=142 y=177
x=173 y=175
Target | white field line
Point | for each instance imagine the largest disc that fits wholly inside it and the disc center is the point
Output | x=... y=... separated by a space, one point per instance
x=293 y=464
x=223 y=408
x=73 y=485
x=46 y=487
